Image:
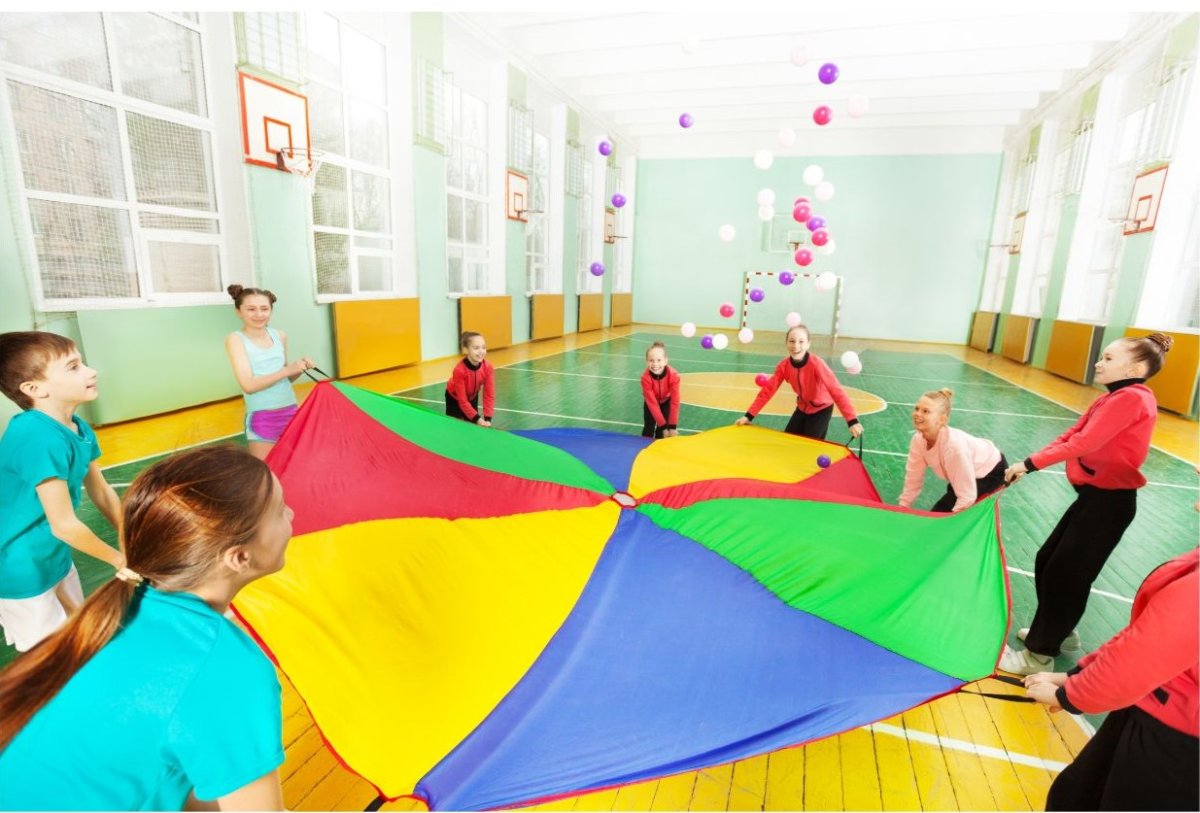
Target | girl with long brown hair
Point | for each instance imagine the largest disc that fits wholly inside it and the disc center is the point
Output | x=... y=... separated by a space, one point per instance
x=149 y=698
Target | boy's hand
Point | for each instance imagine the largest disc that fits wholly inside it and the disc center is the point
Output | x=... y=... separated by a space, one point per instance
x=484 y=422
x=856 y=431
x=742 y=421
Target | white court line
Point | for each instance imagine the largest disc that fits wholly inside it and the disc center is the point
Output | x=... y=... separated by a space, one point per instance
x=969 y=747
x=1097 y=591
x=1009 y=414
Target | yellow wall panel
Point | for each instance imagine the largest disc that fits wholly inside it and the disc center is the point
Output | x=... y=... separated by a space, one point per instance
x=489 y=315
x=376 y=334
x=1175 y=384
x=591 y=312
x=622 y=309
x=1072 y=350
x=1018 y=337
x=546 y=316
x=983 y=330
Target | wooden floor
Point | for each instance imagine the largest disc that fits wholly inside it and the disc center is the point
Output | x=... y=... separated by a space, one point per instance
x=962 y=752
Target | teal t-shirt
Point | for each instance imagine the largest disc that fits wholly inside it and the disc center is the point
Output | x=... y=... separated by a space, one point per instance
x=264 y=362
x=36 y=448
x=180 y=698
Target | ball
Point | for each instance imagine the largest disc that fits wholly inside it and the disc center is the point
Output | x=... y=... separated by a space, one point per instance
x=766 y=197
x=726 y=233
x=745 y=335
x=763 y=159
x=799 y=56
x=815 y=222
x=786 y=137
x=857 y=106
x=757 y=294
x=824 y=191
x=597 y=269
x=618 y=200
x=803 y=256
x=826 y=281
x=813 y=175
x=686 y=120
x=799 y=200
x=605 y=147
x=766 y=212
x=720 y=341
x=761 y=379
x=707 y=341
x=829 y=247
x=786 y=277
x=827 y=73
x=850 y=359
x=793 y=319
x=822 y=115
x=823 y=461
x=726 y=309
x=801 y=212
x=820 y=237
x=688 y=329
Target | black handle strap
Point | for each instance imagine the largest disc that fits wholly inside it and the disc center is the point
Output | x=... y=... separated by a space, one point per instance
x=1012 y=698
x=319 y=370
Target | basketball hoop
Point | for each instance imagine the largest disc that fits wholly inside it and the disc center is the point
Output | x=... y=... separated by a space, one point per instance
x=302 y=162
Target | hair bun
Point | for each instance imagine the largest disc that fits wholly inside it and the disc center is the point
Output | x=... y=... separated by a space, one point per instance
x=1163 y=341
x=946 y=391
x=234 y=290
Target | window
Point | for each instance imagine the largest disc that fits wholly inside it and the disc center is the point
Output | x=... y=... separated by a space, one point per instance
x=271 y=41
x=588 y=283
x=466 y=194
x=537 y=231
x=349 y=120
x=1047 y=243
x=114 y=136
x=615 y=181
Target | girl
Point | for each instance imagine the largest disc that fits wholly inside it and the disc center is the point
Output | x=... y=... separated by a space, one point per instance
x=472 y=374
x=1104 y=451
x=183 y=707
x=660 y=395
x=258 y=353
x=816 y=387
x=972 y=466
x=1145 y=755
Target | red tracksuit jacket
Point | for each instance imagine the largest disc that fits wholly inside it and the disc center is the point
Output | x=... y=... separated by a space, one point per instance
x=657 y=390
x=464 y=385
x=815 y=385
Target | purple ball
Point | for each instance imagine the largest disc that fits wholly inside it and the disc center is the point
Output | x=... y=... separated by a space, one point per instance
x=828 y=73
x=823 y=461
x=707 y=341
x=786 y=277
x=686 y=120
x=756 y=294
x=597 y=269
x=618 y=200
x=605 y=147
x=816 y=222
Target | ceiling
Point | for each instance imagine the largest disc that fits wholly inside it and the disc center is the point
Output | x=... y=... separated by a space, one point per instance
x=934 y=81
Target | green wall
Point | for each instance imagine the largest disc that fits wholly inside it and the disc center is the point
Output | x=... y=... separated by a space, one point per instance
x=911 y=234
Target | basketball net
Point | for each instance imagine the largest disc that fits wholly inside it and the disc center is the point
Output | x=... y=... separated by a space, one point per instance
x=301 y=161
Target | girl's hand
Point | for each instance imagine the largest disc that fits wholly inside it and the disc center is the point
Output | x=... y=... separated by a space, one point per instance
x=1015 y=472
x=297 y=367
x=670 y=433
x=1045 y=693
x=1056 y=678
x=856 y=431
x=742 y=421
x=483 y=422
x=309 y=364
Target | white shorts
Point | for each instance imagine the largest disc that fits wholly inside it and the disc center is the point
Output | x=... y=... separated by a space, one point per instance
x=27 y=621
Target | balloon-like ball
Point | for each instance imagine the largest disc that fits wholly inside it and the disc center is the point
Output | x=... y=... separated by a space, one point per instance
x=826 y=281
x=823 y=461
x=720 y=341
x=850 y=359
x=813 y=174
x=801 y=212
x=726 y=309
x=605 y=147
x=726 y=233
x=827 y=73
x=597 y=269
x=618 y=200
x=707 y=341
x=857 y=106
x=803 y=256
x=793 y=319
x=824 y=191
x=822 y=115
x=787 y=137
x=688 y=329
x=766 y=197
x=786 y=277
x=763 y=159
x=686 y=120
x=757 y=294
x=745 y=335
x=766 y=212
x=761 y=379
x=820 y=237
x=815 y=222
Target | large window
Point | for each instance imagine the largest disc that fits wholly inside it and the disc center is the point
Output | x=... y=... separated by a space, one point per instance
x=466 y=193
x=587 y=282
x=349 y=119
x=114 y=137
x=537 y=232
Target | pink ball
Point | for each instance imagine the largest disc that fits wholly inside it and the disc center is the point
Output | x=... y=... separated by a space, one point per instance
x=801 y=213
x=823 y=115
x=799 y=200
x=803 y=256
x=820 y=237
x=727 y=310
x=761 y=379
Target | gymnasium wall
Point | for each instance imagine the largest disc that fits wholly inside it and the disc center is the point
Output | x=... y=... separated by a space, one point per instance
x=910 y=233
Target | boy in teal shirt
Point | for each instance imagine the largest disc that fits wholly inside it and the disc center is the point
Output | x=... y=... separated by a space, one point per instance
x=47 y=454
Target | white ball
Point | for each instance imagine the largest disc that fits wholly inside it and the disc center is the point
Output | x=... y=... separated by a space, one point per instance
x=720 y=341
x=824 y=191
x=793 y=319
x=855 y=370
x=766 y=197
x=857 y=106
x=799 y=55
x=766 y=212
x=691 y=45
x=850 y=359
x=787 y=137
x=726 y=233
x=829 y=247
x=745 y=335
x=763 y=159
x=826 y=281
x=688 y=329
x=813 y=174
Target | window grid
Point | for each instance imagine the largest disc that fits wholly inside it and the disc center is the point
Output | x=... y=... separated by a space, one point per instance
x=583 y=235
x=537 y=231
x=467 y=200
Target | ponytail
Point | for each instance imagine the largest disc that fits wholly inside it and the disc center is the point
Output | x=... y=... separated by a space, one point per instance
x=1150 y=349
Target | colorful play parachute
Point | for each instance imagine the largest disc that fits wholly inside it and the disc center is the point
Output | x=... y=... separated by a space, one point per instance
x=484 y=619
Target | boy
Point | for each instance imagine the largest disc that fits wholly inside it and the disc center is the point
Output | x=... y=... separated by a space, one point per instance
x=47 y=453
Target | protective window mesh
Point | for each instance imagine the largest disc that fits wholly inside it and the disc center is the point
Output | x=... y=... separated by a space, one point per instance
x=374 y=273
x=271 y=40
x=67 y=144
x=333 y=263
x=69 y=45
x=364 y=64
x=329 y=197
x=520 y=137
x=325 y=118
x=172 y=163
x=184 y=267
x=160 y=62
x=154 y=220
x=575 y=171
x=372 y=208
x=368 y=134
x=433 y=117
x=83 y=251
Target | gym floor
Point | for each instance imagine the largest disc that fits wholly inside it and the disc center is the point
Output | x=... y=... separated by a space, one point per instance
x=959 y=752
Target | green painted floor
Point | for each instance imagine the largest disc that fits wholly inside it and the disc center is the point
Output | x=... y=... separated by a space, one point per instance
x=597 y=387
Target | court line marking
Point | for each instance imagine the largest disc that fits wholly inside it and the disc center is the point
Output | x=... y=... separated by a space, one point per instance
x=969 y=747
x=1095 y=590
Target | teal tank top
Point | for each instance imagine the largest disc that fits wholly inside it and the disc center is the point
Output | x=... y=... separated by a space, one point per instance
x=264 y=361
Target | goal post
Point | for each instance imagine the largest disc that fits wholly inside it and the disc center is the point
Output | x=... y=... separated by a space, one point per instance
x=820 y=310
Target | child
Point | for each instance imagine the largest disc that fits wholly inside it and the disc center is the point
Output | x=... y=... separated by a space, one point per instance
x=660 y=394
x=972 y=466
x=47 y=454
x=816 y=387
x=472 y=374
x=258 y=354
x=1104 y=451
x=185 y=707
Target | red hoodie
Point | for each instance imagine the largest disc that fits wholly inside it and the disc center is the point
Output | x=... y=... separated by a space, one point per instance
x=1108 y=444
x=815 y=385
x=464 y=385
x=1152 y=663
x=657 y=390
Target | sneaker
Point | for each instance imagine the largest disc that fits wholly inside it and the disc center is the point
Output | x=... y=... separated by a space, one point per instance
x=1024 y=662
x=1070 y=642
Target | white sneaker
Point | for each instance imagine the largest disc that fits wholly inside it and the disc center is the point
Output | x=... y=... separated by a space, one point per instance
x=1070 y=642
x=1024 y=662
